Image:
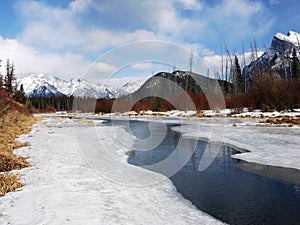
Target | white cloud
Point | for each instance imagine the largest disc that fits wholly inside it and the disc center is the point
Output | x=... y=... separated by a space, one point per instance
x=149 y=67
x=214 y=62
x=65 y=34
x=63 y=29
x=142 y=65
x=207 y=52
x=242 y=9
x=120 y=81
x=117 y=22
x=190 y=4
x=29 y=60
x=102 y=67
x=98 y=39
x=232 y=21
x=80 y=5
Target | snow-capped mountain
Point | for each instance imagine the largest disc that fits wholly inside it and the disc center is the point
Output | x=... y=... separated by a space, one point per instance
x=131 y=87
x=292 y=38
x=47 y=85
x=278 y=56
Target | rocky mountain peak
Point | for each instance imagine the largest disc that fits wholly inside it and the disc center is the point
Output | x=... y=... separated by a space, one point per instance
x=282 y=43
x=277 y=56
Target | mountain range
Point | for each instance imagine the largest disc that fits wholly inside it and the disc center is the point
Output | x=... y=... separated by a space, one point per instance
x=47 y=86
x=277 y=57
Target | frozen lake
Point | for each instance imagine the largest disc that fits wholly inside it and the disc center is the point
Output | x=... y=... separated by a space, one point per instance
x=232 y=190
x=81 y=173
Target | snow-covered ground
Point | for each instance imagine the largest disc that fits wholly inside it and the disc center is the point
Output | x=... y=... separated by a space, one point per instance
x=81 y=175
x=61 y=187
x=204 y=113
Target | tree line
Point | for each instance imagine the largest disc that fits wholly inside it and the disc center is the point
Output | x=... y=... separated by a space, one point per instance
x=8 y=83
x=259 y=85
x=264 y=87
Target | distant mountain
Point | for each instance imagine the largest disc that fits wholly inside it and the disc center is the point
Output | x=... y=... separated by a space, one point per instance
x=277 y=57
x=176 y=87
x=187 y=81
x=131 y=87
x=47 y=85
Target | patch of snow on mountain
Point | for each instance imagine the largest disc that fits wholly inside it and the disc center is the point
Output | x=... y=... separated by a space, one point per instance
x=47 y=85
x=131 y=87
x=292 y=37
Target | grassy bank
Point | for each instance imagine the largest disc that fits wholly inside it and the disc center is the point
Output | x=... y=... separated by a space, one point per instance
x=14 y=121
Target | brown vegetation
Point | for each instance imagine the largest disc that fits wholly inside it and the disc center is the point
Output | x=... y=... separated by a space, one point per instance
x=271 y=92
x=14 y=121
x=282 y=120
x=9 y=182
x=239 y=101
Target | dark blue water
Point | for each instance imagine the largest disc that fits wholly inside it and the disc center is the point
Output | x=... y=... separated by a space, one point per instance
x=231 y=190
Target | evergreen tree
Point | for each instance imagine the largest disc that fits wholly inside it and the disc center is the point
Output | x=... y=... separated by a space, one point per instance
x=1 y=82
x=239 y=84
x=20 y=95
x=9 y=78
x=295 y=65
x=1 y=78
x=6 y=77
x=28 y=105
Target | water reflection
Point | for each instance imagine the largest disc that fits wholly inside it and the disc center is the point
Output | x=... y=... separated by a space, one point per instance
x=231 y=190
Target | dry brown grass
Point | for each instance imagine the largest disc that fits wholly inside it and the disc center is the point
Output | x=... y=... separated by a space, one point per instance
x=12 y=125
x=282 y=120
x=9 y=182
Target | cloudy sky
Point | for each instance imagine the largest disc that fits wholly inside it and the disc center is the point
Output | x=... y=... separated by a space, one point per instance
x=65 y=37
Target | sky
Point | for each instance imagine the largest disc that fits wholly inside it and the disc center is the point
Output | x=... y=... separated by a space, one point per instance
x=73 y=38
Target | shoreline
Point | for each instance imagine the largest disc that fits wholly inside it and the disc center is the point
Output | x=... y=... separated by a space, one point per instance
x=228 y=135
x=13 y=125
x=63 y=188
x=61 y=180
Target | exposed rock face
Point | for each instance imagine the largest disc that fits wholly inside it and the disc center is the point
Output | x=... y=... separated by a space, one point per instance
x=282 y=43
x=277 y=57
x=170 y=84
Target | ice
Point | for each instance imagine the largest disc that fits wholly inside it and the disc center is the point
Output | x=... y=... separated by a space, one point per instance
x=80 y=173
x=275 y=146
x=63 y=188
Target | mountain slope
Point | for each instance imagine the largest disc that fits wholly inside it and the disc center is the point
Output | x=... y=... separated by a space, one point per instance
x=47 y=86
x=277 y=57
x=180 y=90
x=185 y=80
x=131 y=87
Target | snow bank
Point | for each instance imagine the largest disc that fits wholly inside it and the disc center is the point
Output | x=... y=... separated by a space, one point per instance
x=62 y=188
x=260 y=114
x=276 y=146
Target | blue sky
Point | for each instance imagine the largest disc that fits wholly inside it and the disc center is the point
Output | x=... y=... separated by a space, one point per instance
x=63 y=37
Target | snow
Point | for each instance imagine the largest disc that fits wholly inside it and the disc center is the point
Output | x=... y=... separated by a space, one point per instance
x=292 y=37
x=34 y=83
x=260 y=114
x=81 y=175
x=42 y=84
x=172 y=113
x=62 y=188
x=131 y=87
x=223 y=112
x=275 y=146
x=176 y=113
